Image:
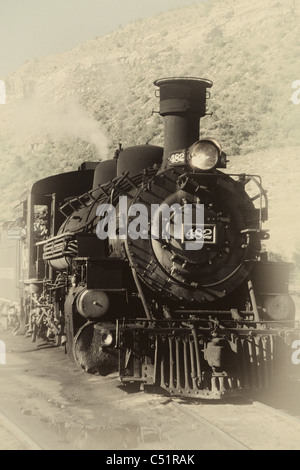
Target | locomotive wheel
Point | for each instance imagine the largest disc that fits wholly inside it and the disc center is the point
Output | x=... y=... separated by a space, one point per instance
x=19 y=327
x=34 y=333
x=69 y=325
x=58 y=339
x=89 y=354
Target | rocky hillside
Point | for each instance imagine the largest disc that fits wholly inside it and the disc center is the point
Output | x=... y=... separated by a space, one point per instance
x=68 y=108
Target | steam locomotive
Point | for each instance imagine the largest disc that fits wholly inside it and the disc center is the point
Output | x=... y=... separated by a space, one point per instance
x=208 y=321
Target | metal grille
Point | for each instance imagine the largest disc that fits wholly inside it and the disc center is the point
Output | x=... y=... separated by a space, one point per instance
x=255 y=359
x=183 y=370
x=61 y=245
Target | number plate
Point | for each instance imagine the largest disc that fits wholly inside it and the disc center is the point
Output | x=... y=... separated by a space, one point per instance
x=177 y=158
x=205 y=233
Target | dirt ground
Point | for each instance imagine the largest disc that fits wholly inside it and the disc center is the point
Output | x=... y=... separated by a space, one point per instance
x=62 y=407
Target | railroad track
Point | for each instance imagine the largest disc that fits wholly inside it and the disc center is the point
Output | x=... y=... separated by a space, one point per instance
x=215 y=420
x=293 y=419
x=216 y=430
x=17 y=438
x=234 y=424
x=45 y=406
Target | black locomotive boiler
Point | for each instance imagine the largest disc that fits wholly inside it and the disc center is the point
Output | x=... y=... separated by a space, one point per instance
x=205 y=323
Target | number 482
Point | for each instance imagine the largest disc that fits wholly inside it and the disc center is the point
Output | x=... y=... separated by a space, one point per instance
x=199 y=234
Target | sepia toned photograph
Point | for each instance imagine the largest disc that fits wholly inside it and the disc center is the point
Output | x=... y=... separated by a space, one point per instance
x=149 y=227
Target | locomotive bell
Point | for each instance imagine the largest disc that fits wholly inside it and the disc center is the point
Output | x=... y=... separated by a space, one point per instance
x=182 y=104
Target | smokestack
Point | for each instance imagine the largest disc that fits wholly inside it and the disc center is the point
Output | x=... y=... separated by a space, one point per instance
x=182 y=104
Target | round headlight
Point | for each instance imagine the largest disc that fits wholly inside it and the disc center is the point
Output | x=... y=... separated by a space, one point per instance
x=106 y=338
x=204 y=155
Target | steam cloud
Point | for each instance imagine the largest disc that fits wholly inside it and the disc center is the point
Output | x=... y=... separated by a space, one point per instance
x=36 y=117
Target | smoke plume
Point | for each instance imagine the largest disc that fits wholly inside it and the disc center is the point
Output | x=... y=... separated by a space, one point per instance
x=69 y=119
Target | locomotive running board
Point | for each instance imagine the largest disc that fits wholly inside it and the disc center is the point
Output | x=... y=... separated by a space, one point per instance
x=197 y=361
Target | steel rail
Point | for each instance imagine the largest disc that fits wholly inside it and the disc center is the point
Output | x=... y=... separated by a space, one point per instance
x=18 y=433
x=238 y=445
